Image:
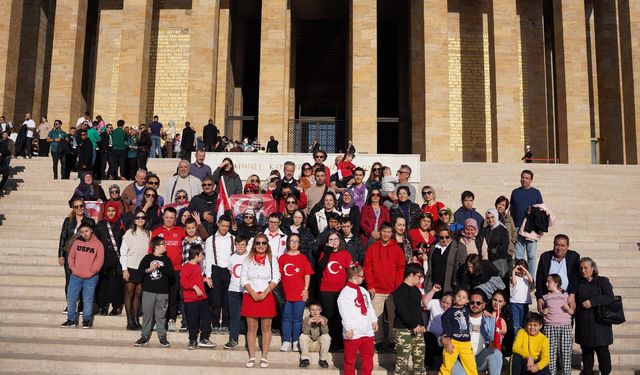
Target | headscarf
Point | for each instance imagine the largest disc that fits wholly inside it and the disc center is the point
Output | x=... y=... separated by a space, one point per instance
x=495 y=214
x=353 y=201
x=115 y=205
x=469 y=222
x=85 y=190
x=179 y=217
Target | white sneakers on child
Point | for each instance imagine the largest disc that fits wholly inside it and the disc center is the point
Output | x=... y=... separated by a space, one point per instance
x=286 y=347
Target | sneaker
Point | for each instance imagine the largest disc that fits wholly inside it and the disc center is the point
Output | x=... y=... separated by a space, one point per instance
x=65 y=310
x=171 y=326
x=223 y=330
x=295 y=347
x=323 y=363
x=286 y=347
x=205 y=343
x=275 y=332
x=231 y=344
x=86 y=324
x=164 y=342
x=183 y=325
x=392 y=348
x=380 y=348
x=69 y=324
x=304 y=363
x=142 y=341
x=192 y=345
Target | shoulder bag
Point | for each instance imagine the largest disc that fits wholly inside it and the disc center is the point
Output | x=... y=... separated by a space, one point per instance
x=613 y=313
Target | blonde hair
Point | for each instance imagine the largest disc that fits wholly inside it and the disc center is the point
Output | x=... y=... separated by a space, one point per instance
x=252 y=252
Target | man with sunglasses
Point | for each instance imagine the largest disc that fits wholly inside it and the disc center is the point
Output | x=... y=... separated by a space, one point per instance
x=85 y=154
x=403 y=174
x=205 y=205
x=483 y=328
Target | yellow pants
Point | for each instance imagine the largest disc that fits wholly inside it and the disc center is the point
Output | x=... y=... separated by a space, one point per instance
x=462 y=351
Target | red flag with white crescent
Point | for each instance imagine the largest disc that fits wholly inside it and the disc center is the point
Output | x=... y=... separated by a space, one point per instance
x=497 y=339
x=223 y=199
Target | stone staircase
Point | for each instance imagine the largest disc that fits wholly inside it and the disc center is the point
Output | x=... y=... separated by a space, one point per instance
x=590 y=203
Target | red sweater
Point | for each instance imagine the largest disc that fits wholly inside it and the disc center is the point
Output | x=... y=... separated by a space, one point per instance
x=86 y=257
x=173 y=239
x=384 y=267
x=191 y=276
x=334 y=276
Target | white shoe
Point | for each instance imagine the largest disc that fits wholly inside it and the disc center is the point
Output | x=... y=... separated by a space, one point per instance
x=286 y=347
x=171 y=326
x=295 y=346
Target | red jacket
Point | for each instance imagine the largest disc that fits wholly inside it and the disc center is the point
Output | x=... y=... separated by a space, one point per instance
x=191 y=276
x=384 y=267
x=368 y=220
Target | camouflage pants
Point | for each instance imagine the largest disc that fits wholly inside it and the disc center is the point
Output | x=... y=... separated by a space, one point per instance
x=409 y=345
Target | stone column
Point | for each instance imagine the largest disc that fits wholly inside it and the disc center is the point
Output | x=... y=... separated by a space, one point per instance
x=436 y=78
x=508 y=119
x=9 y=54
x=274 y=72
x=629 y=22
x=572 y=82
x=416 y=80
x=65 y=85
x=131 y=104
x=362 y=95
x=202 y=61
x=222 y=65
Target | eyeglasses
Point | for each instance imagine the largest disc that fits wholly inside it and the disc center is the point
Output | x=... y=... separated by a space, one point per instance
x=248 y=217
x=205 y=185
x=153 y=183
x=181 y=197
x=318 y=156
x=427 y=192
x=375 y=194
x=444 y=237
x=79 y=206
x=401 y=172
x=254 y=181
x=375 y=169
x=293 y=202
x=476 y=303
x=150 y=195
x=141 y=217
x=261 y=243
x=114 y=191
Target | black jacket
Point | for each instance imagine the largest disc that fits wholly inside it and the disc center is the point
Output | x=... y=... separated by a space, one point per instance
x=356 y=249
x=202 y=203
x=497 y=242
x=354 y=215
x=573 y=272
x=144 y=142
x=85 y=154
x=111 y=254
x=589 y=332
x=272 y=146
x=210 y=135
x=68 y=229
x=537 y=221
x=104 y=142
x=414 y=214
x=188 y=139
x=307 y=242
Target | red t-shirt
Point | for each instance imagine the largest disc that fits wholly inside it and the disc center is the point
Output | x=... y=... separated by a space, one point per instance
x=173 y=239
x=293 y=269
x=334 y=276
x=433 y=210
x=192 y=275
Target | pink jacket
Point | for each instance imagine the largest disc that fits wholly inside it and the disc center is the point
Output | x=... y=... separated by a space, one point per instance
x=86 y=257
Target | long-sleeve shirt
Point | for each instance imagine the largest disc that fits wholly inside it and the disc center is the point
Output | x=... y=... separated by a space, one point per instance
x=257 y=275
x=536 y=347
x=158 y=280
x=134 y=247
x=190 y=276
x=384 y=266
x=408 y=309
x=315 y=330
x=218 y=250
x=456 y=324
x=352 y=318
x=86 y=257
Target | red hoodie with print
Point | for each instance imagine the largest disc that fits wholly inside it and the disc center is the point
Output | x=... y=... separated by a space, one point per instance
x=384 y=266
x=86 y=257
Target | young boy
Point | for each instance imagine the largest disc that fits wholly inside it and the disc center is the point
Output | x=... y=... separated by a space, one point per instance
x=157 y=270
x=219 y=248
x=408 y=323
x=530 y=348
x=195 y=299
x=192 y=238
x=359 y=322
x=456 y=336
x=235 y=290
x=315 y=336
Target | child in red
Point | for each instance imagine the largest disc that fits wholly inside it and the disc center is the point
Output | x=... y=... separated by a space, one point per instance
x=359 y=322
x=346 y=168
x=296 y=272
x=195 y=299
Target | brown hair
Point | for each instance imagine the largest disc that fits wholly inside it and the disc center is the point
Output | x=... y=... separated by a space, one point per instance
x=252 y=252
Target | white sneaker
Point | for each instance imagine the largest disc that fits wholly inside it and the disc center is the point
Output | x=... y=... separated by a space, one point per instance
x=171 y=326
x=286 y=347
x=295 y=347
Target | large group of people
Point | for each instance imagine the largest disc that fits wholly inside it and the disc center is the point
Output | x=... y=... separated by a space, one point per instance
x=348 y=262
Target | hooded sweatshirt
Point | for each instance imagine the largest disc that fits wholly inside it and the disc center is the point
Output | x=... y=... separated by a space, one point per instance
x=384 y=266
x=86 y=257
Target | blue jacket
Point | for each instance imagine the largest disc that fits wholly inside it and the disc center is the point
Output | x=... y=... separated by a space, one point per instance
x=462 y=214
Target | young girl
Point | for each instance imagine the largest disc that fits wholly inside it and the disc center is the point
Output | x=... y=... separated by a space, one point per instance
x=456 y=336
x=157 y=271
x=195 y=299
x=296 y=274
x=557 y=326
x=521 y=282
x=359 y=323
x=346 y=168
x=236 y=290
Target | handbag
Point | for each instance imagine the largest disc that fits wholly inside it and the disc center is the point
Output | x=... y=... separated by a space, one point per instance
x=503 y=266
x=612 y=313
x=278 y=293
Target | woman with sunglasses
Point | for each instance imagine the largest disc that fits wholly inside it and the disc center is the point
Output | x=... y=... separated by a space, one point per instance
x=255 y=180
x=375 y=177
x=446 y=218
x=150 y=207
x=110 y=231
x=373 y=214
x=115 y=197
x=445 y=258
x=135 y=245
x=431 y=205
x=246 y=225
x=68 y=234
x=181 y=197
x=290 y=205
x=260 y=276
x=306 y=179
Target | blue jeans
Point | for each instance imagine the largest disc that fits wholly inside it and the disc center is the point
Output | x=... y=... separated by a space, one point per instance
x=488 y=359
x=235 y=305
x=292 y=321
x=519 y=311
x=155 y=145
x=88 y=288
x=527 y=250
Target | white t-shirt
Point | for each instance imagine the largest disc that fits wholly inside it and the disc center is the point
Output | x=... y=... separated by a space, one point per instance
x=520 y=293
x=31 y=127
x=435 y=322
x=477 y=341
x=235 y=268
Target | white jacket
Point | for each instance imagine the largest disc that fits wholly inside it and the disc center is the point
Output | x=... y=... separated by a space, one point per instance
x=352 y=318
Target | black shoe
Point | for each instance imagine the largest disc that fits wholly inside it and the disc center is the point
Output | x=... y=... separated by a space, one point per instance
x=192 y=345
x=103 y=311
x=86 y=324
x=136 y=323
x=304 y=363
x=392 y=348
x=130 y=324
x=142 y=341
x=115 y=312
x=164 y=342
x=69 y=324
x=323 y=363
x=205 y=343
x=380 y=348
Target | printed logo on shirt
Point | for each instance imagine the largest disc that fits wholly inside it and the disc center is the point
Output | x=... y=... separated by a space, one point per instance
x=459 y=317
x=237 y=270
x=86 y=249
x=157 y=274
x=288 y=272
x=331 y=268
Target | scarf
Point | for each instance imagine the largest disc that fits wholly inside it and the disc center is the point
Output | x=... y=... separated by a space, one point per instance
x=353 y=201
x=260 y=259
x=117 y=207
x=495 y=214
x=359 y=301
x=468 y=239
x=85 y=190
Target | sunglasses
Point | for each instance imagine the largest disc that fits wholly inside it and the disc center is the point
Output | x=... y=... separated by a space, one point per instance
x=141 y=217
x=205 y=185
x=79 y=206
x=375 y=194
x=254 y=181
x=114 y=191
x=181 y=197
x=150 y=195
x=318 y=156
x=261 y=243
x=444 y=237
x=427 y=192
x=153 y=183
x=476 y=303
x=294 y=202
x=401 y=172
x=248 y=217
x=375 y=169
